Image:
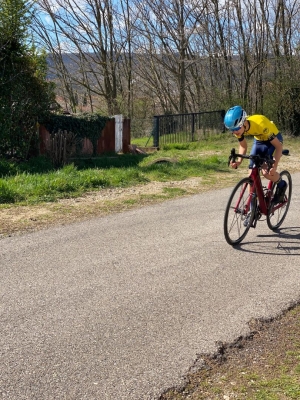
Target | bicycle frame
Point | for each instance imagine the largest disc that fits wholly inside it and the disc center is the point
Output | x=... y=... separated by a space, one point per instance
x=256 y=189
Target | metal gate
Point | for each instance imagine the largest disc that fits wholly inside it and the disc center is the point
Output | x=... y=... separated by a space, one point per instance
x=181 y=128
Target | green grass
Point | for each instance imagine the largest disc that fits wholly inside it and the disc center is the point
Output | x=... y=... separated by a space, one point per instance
x=143 y=141
x=37 y=181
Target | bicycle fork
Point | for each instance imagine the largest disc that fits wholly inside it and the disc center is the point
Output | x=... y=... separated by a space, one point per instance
x=253 y=205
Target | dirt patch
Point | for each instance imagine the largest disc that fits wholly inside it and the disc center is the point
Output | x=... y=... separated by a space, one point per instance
x=20 y=219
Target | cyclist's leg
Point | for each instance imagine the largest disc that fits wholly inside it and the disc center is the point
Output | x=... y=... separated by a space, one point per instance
x=252 y=153
x=266 y=149
x=270 y=152
x=281 y=184
x=271 y=147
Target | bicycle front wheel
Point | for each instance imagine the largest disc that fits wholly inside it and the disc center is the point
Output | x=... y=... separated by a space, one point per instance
x=277 y=212
x=239 y=215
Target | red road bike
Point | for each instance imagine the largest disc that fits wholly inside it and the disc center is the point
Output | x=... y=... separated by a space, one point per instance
x=250 y=201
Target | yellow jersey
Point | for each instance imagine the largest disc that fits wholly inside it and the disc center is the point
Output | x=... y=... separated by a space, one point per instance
x=261 y=128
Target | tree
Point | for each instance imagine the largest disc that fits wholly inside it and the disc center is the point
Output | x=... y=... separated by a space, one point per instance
x=24 y=92
x=90 y=35
x=174 y=56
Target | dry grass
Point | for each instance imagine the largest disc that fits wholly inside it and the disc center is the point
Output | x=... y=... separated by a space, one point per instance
x=265 y=365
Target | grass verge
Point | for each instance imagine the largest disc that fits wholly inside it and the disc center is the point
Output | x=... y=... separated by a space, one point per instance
x=263 y=366
x=37 y=182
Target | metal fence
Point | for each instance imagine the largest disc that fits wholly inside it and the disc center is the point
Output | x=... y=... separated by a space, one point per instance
x=181 y=128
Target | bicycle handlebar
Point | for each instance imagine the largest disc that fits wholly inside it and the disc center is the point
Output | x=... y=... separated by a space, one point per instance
x=258 y=160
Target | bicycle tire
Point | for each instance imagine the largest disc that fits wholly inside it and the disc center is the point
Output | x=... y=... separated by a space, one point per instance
x=234 y=217
x=277 y=213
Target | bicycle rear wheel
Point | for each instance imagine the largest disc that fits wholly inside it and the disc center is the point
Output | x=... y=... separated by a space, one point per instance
x=277 y=212
x=238 y=216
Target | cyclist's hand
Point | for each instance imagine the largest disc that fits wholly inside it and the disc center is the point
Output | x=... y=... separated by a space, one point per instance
x=272 y=171
x=235 y=164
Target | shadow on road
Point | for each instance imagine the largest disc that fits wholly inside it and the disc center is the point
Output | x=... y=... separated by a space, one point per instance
x=283 y=242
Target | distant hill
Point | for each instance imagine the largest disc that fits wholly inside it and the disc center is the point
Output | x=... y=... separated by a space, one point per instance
x=70 y=61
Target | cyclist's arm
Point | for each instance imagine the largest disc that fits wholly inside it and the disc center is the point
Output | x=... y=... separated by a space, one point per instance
x=242 y=150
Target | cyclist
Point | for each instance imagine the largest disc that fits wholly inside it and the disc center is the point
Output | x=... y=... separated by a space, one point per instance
x=267 y=141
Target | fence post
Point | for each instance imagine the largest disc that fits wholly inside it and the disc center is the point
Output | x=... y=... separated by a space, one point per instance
x=223 y=112
x=193 y=127
x=156 y=132
x=118 y=132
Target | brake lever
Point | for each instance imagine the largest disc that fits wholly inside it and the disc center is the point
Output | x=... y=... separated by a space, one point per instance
x=269 y=163
x=232 y=156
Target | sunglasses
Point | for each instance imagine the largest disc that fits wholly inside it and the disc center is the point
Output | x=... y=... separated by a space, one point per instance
x=236 y=129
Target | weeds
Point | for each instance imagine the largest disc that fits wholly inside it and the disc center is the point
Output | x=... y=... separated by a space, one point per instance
x=37 y=181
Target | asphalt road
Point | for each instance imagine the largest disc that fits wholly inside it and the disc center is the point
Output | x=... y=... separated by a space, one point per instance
x=120 y=307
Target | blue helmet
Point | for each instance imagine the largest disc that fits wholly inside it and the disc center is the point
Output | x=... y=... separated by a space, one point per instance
x=234 y=118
